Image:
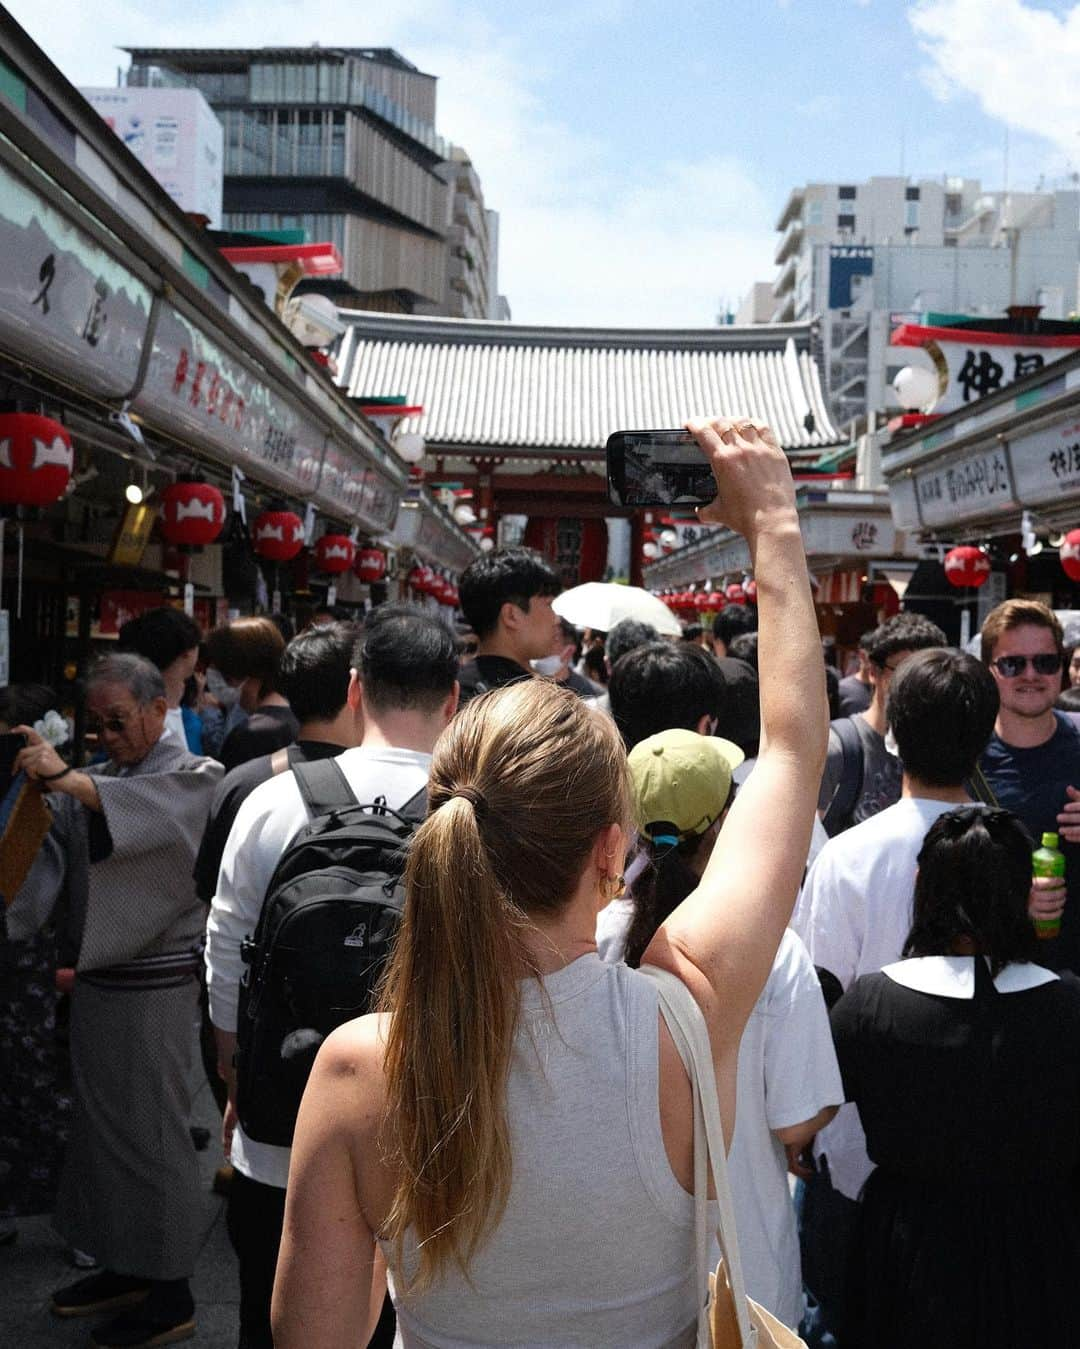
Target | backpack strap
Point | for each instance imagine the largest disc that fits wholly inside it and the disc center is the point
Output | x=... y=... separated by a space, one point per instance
x=323 y=786
x=838 y=816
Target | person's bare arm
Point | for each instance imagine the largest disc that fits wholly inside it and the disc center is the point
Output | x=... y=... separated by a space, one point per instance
x=798 y=1135
x=722 y=939
x=330 y=1277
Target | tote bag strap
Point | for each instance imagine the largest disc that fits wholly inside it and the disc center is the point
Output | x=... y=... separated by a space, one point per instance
x=684 y=1020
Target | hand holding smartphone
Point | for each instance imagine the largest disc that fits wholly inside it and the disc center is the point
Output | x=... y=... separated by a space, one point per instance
x=658 y=468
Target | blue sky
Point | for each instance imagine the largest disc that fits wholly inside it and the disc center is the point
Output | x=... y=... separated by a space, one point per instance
x=639 y=152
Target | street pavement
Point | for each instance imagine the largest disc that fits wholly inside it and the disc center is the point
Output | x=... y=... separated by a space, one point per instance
x=39 y=1261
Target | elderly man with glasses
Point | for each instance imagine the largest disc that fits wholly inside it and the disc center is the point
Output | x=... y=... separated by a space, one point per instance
x=120 y=851
x=1032 y=762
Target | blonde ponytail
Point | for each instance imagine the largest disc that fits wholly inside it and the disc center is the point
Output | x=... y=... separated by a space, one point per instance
x=522 y=782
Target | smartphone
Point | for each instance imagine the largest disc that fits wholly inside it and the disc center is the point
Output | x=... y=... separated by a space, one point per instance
x=658 y=468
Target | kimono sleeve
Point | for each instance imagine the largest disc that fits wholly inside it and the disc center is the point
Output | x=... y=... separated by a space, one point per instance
x=36 y=898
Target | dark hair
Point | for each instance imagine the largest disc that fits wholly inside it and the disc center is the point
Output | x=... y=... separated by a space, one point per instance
x=507 y=576
x=1068 y=700
x=570 y=634
x=661 y=686
x=23 y=704
x=248 y=648
x=942 y=706
x=744 y=647
x=733 y=620
x=658 y=890
x=160 y=635
x=284 y=625
x=973 y=882
x=905 y=632
x=866 y=639
x=407 y=660
x=595 y=665
x=692 y=632
x=314 y=671
x=625 y=636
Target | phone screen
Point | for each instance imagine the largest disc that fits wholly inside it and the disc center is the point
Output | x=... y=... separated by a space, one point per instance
x=658 y=468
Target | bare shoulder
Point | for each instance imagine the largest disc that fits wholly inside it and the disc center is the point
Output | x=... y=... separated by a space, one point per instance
x=348 y=1073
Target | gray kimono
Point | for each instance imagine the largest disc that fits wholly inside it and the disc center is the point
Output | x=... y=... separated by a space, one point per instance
x=129 y=1191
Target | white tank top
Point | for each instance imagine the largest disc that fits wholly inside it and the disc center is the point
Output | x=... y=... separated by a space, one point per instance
x=596 y=1246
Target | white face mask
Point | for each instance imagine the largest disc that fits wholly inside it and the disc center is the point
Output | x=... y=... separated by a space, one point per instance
x=891 y=745
x=547 y=665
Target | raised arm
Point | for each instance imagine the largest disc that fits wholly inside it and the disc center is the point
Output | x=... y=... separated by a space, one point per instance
x=722 y=939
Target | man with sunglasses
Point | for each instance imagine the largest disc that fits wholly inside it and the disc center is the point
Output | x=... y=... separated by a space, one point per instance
x=120 y=852
x=1032 y=762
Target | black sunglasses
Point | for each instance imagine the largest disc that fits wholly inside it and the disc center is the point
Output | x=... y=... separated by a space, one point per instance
x=1011 y=666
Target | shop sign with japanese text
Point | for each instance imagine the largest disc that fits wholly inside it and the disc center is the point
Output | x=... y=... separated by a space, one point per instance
x=978 y=484
x=66 y=304
x=971 y=365
x=848 y=533
x=196 y=390
x=1046 y=462
x=353 y=486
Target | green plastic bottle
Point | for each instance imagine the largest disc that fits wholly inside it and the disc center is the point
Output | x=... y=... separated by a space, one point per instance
x=1048 y=861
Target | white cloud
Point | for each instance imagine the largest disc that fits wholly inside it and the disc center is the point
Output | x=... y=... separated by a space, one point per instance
x=586 y=238
x=1019 y=62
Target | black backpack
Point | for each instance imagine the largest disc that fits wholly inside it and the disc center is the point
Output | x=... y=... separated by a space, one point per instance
x=328 y=923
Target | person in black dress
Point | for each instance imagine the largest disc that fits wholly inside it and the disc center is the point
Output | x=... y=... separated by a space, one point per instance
x=964 y=1062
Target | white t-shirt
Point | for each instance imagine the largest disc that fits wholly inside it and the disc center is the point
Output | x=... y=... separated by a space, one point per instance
x=854 y=914
x=787 y=1074
x=265 y=824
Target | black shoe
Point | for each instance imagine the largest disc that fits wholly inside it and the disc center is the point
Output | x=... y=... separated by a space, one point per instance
x=140 y=1330
x=97 y=1293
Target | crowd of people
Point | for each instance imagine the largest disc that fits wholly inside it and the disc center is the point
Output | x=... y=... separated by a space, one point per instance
x=487 y=842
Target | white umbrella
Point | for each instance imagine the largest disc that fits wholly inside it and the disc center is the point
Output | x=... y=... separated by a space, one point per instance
x=602 y=604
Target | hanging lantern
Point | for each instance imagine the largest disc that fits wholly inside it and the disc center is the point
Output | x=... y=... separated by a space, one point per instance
x=420 y=579
x=192 y=513
x=750 y=590
x=734 y=593
x=334 y=553
x=370 y=565
x=966 y=566
x=714 y=602
x=1069 y=553
x=278 y=535
x=36 y=459
x=650 y=550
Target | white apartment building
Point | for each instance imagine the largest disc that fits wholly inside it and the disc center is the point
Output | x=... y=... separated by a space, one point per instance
x=866 y=255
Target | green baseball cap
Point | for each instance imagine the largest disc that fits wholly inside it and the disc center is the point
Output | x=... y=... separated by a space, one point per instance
x=681 y=778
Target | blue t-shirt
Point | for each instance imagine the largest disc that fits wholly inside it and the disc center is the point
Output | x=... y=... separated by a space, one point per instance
x=1031 y=783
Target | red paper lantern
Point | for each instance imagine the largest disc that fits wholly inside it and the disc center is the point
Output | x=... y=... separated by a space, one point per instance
x=370 y=565
x=751 y=592
x=36 y=459
x=334 y=553
x=966 y=566
x=278 y=535
x=1069 y=554
x=734 y=593
x=192 y=513
x=714 y=602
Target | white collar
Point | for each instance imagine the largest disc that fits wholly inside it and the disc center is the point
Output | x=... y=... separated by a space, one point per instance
x=954 y=976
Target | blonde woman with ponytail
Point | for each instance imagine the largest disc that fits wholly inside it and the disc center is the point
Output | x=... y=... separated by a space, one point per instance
x=512 y=1134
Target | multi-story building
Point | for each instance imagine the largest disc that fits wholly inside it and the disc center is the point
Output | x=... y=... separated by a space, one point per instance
x=341 y=142
x=861 y=255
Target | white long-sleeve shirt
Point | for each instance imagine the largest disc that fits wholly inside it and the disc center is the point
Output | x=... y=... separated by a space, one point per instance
x=265 y=825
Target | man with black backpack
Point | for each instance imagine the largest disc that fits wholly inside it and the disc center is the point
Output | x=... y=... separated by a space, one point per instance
x=306 y=904
x=862 y=776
